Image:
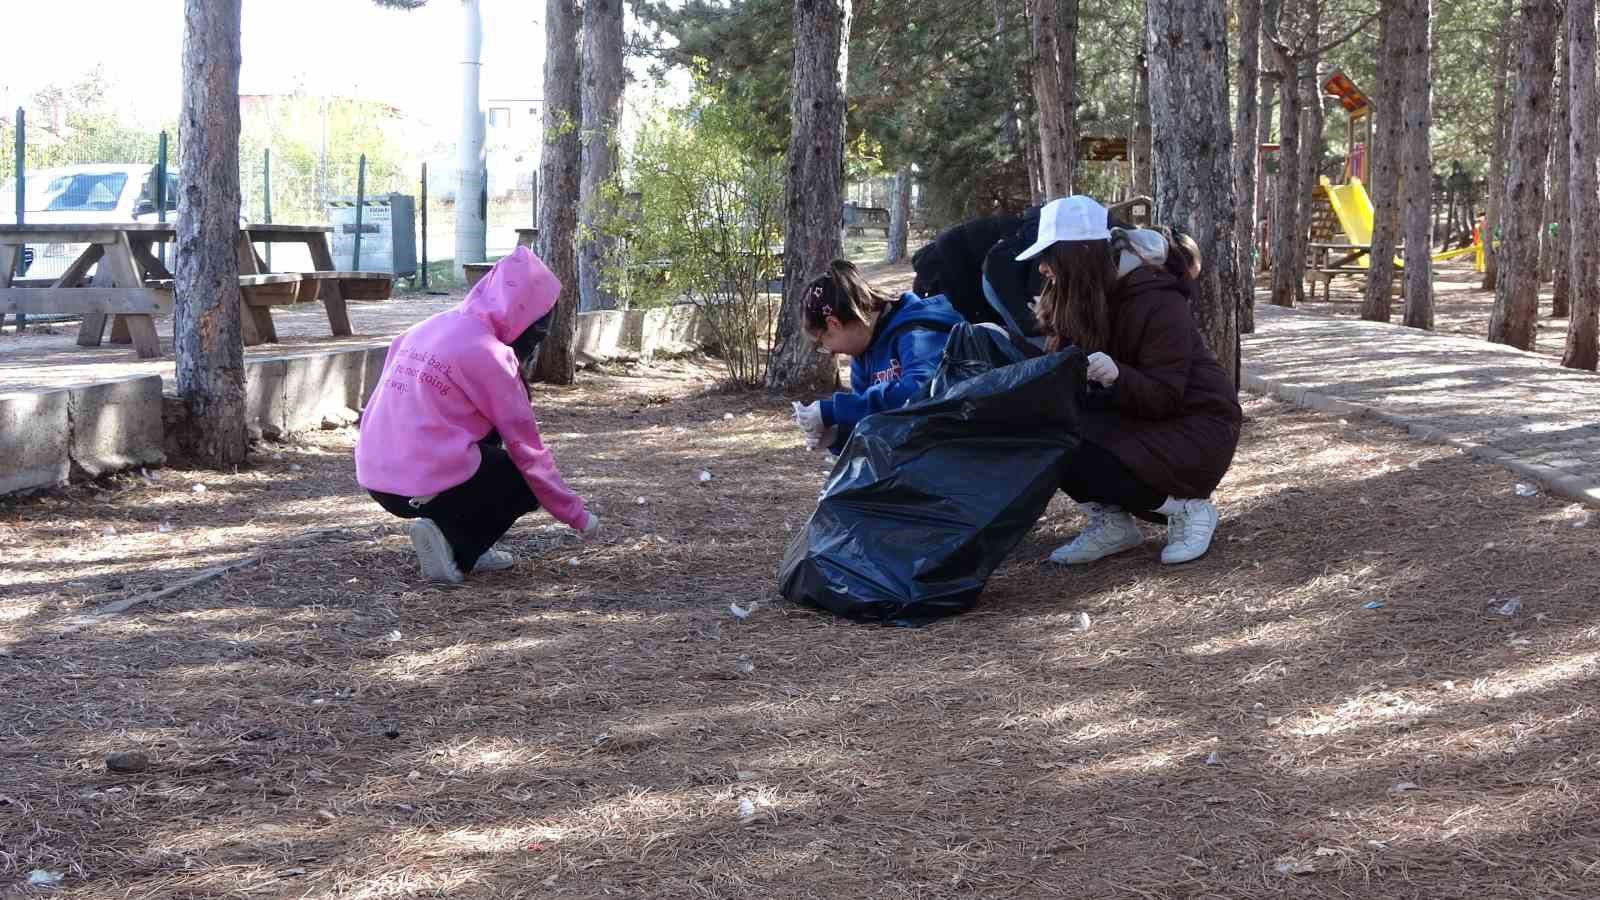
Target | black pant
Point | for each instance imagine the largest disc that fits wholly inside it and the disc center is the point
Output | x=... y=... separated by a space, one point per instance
x=476 y=513
x=1094 y=475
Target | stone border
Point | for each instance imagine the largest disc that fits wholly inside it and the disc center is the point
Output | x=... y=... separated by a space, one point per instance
x=84 y=431
x=1553 y=480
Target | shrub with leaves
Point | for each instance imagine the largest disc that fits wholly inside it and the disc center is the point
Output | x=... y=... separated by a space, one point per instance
x=702 y=221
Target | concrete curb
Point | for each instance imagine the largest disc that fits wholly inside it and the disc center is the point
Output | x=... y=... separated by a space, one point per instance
x=1553 y=480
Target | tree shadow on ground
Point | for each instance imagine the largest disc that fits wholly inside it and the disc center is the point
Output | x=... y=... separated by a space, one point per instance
x=325 y=724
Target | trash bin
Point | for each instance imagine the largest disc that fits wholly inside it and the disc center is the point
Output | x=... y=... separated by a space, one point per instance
x=388 y=234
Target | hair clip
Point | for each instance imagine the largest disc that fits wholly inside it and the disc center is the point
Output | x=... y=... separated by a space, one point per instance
x=816 y=292
x=827 y=311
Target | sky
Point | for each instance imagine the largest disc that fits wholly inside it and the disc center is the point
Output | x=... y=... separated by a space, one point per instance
x=350 y=48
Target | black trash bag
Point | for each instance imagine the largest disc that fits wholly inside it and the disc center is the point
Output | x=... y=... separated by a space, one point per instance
x=973 y=350
x=927 y=500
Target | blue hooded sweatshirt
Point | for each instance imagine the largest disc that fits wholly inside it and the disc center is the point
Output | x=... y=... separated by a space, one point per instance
x=906 y=345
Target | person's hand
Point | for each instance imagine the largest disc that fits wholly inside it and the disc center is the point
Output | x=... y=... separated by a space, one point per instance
x=1102 y=369
x=591 y=526
x=809 y=419
x=808 y=416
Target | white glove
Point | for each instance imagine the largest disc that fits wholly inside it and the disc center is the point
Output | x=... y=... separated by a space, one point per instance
x=591 y=525
x=809 y=418
x=1102 y=369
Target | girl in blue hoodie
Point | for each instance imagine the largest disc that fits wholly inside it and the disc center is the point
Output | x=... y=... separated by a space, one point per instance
x=895 y=345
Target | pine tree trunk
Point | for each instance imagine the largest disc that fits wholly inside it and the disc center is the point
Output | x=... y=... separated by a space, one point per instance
x=1142 y=162
x=558 y=182
x=1265 y=186
x=1288 y=267
x=1560 y=169
x=1054 y=152
x=1386 y=154
x=601 y=99
x=1187 y=48
x=899 y=215
x=814 y=187
x=1516 y=298
x=1067 y=50
x=1245 y=148
x=472 y=183
x=207 y=330
x=1583 y=330
x=1497 y=153
x=1035 y=165
x=1312 y=121
x=1417 y=158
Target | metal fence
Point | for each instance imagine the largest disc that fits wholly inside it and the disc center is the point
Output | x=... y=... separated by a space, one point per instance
x=127 y=174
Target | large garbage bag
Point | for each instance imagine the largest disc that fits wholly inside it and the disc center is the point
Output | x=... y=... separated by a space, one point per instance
x=927 y=500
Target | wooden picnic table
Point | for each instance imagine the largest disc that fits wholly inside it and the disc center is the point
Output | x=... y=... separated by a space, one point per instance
x=131 y=286
x=1328 y=259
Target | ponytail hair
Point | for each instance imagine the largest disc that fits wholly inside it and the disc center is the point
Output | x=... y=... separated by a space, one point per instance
x=1183 y=254
x=842 y=293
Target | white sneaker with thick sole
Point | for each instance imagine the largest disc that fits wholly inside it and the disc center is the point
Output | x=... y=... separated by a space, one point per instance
x=494 y=561
x=1190 y=525
x=1110 y=531
x=433 y=552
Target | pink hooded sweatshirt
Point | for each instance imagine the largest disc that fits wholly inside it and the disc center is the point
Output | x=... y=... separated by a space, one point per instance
x=448 y=380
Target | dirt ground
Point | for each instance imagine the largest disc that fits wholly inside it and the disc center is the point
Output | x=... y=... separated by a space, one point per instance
x=1337 y=701
x=1460 y=305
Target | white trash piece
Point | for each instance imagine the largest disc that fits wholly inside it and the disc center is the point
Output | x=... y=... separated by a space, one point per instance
x=704 y=476
x=42 y=878
x=1524 y=489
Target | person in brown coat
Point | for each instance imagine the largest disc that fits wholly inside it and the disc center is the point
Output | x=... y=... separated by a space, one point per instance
x=1160 y=422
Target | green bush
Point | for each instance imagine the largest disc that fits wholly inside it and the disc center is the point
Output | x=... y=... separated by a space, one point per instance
x=701 y=218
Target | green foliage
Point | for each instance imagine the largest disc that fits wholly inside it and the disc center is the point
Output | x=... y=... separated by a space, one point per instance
x=294 y=127
x=76 y=123
x=700 y=214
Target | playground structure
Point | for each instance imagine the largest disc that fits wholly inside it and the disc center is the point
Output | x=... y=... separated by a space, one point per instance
x=1342 y=213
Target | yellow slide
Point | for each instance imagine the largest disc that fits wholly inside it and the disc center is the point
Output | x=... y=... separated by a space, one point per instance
x=1354 y=209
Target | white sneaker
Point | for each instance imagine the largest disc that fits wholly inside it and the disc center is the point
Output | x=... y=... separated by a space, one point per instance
x=1190 y=525
x=494 y=561
x=433 y=552
x=1110 y=530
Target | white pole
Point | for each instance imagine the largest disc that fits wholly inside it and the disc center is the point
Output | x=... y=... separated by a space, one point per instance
x=471 y=184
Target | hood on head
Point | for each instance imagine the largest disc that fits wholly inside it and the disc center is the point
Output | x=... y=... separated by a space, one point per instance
x=517 y=292
x=1149 y=249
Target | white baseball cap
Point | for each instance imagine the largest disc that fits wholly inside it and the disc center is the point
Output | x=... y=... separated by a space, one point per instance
x=1075 y=218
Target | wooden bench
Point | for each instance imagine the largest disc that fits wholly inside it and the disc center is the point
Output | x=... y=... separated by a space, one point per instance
x=257 y=295
x=363 y=286
x=1328 y=261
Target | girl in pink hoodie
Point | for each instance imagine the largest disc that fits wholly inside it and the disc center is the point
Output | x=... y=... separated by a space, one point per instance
x=449 y=437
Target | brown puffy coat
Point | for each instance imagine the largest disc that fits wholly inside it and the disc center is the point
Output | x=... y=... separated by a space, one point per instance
x=1172 y=416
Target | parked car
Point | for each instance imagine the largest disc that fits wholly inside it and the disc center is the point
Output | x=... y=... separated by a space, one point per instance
x=83 y=194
